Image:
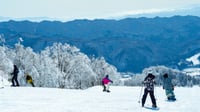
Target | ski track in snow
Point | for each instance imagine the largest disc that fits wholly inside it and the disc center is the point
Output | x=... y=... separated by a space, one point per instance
x=121 y=99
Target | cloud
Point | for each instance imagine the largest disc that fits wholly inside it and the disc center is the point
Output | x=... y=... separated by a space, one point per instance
x=146 y=11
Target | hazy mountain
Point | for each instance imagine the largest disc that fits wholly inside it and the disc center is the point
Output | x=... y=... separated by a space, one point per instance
x=130 y=44
x=4 y=19
x=32 y=19
x=192 y=11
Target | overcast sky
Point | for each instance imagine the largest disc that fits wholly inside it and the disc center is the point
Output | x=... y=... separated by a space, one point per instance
x=79 y=9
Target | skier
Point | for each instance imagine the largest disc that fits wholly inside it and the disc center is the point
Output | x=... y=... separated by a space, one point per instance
x=169 y=87
x=149 y=88
x=29 y=80
x=14 y=78
x=105 y=82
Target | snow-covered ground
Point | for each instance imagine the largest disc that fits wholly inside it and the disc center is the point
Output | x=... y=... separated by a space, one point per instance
x=121 y=99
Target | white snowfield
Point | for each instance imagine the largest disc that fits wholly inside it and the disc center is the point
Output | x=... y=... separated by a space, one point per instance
x=121 y=99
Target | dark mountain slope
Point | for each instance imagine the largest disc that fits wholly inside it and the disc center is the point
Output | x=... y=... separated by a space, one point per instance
x=129 y=44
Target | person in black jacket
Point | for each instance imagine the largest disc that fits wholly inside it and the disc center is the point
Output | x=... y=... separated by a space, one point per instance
x=149 y=88
x=15 y=75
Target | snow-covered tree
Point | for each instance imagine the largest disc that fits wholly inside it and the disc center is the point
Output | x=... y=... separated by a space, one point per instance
x=33 y=64
x=102 y=68
x=6 y=65
x=74 y=66
x=64 y=66
x=179 y=78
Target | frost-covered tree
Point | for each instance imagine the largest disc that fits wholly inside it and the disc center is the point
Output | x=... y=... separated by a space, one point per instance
x=38 y=66
x=74 y=66
x=178 y=77
x=48 y=72
x=77 y=70
x=59 y=65
x=135 y=80
x=102 y=68
x=6 y=65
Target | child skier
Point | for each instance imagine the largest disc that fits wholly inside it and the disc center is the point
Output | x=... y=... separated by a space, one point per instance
x=149 y=88
x=169 y=87
x=29 y=80
x=105 y=83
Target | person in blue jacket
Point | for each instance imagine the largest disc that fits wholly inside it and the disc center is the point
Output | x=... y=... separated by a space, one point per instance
x=169 y=87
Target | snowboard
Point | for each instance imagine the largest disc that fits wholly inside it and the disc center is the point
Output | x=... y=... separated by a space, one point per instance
x=151 y=108
x=170 y=100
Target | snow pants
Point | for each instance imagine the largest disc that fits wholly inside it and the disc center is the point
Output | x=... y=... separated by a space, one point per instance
x=106 y=87
x=170 y=94
x=30 y=81
x=14 y=79
x=151 y=93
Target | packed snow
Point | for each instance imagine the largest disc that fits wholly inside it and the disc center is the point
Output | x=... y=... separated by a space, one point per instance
x=120 y=99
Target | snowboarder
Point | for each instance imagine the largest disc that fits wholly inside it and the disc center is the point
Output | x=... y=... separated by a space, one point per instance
x=14 y=78
x=29 y=80
x=105 y=83
x=149 y=88
x=169 y=87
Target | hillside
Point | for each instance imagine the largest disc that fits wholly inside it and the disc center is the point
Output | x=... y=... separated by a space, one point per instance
x=121 y=99
x=129 y=44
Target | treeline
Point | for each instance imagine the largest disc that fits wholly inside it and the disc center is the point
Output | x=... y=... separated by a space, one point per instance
x=179 y=78
x=59 y=66
x=64 y=66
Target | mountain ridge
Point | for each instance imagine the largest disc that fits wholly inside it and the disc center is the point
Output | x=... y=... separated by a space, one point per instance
x=130 y=44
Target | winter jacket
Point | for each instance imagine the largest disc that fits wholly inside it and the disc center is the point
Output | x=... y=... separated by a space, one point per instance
x=29 y=79
x=106 y=80
x=167 y=83
x=149 y=82
x=15 y=71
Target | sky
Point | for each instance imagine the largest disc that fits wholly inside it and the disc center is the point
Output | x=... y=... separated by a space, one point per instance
x=87 y=9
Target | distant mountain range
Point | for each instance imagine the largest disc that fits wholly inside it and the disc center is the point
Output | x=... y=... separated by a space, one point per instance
x=130 y=44
x=192 y=11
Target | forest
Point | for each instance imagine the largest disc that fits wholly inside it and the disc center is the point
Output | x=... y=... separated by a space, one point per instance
x=64 y=66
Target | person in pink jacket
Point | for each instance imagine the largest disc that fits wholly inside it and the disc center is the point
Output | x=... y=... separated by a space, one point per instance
x=105 y=82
